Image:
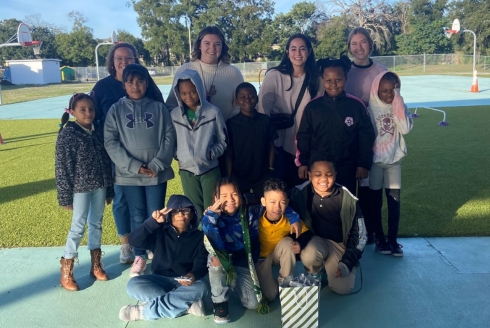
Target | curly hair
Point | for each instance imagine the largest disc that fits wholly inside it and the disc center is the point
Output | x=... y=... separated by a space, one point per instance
x=342 y=62
x=275 y=184
x=196 y=47
x=109 y=62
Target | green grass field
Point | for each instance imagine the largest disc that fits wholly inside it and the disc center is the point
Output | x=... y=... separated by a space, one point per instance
x=446 y=185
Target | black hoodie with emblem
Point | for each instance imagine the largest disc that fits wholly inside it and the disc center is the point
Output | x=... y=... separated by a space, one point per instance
x=174 y=255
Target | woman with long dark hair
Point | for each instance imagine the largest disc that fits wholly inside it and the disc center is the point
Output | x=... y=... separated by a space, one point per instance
x=281 y=93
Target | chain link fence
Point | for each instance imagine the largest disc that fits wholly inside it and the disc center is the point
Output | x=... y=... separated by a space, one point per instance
x=449 y=64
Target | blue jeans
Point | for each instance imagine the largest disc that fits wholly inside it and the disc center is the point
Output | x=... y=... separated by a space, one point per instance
x=87 y=207
x=142 y=201
x=243 y=285
x=165 y=297
x=120 y=210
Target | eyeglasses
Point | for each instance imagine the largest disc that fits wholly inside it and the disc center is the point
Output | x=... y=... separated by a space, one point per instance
x=184 y=210
x=124 y=59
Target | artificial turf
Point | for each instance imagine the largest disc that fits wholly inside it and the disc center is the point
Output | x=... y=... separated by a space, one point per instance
x=445 y=192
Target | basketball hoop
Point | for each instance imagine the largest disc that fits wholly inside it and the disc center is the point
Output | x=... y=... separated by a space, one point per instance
x=36 y=47
x=449 y=33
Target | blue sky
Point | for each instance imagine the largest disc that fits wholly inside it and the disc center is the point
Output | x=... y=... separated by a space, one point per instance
x=104 y=16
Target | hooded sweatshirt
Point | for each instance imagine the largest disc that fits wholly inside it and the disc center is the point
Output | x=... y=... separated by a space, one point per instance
x=140 y=132
x=391 y=122
x=173 y=254
x=198 y=146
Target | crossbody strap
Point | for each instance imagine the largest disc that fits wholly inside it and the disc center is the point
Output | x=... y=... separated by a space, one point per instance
x=300 y=97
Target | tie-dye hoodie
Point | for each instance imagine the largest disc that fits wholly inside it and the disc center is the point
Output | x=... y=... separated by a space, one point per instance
x=391 y=122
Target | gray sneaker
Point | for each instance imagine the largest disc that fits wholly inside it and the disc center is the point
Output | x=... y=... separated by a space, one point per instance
x=126 y=254
x=131 y=312
x=196 y=309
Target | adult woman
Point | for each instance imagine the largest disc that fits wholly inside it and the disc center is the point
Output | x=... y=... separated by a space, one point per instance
x=211 y=60
x=107 y=92
x=359 y=81
x=279 y=94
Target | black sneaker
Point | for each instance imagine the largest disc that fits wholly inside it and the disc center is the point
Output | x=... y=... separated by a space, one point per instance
x=396 y=249
x=383 y=247
x=220 y=311
x=370 y=239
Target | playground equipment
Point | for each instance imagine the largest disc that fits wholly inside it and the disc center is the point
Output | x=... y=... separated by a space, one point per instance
x=113 y=40
x=442 y=123
x=455 y=29
x=22 y=38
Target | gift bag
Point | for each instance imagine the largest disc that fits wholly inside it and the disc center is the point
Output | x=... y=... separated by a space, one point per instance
x=299 y=306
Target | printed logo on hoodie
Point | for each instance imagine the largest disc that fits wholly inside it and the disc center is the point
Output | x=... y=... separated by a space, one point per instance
x=132 y=120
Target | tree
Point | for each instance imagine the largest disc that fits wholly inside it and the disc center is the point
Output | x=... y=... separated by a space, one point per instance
x=77 y=47
x=424 y=31
x=376 y=16
x=474 y=15
x=332 y=37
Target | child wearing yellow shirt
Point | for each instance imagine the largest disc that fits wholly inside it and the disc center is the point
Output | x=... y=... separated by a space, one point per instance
x=278 y=245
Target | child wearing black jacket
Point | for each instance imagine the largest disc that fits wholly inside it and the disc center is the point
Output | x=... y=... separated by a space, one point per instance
x=179 y=263
x=337 y=126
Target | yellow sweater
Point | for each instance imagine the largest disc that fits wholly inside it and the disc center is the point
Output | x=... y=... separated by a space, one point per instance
x=270 y=234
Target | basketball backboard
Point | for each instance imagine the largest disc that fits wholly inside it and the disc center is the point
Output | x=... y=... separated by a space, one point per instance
x=456 y=25
x=24 y=36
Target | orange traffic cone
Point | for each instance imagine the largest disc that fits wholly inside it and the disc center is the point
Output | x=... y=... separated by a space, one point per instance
x=1 y=140
x=474 y=85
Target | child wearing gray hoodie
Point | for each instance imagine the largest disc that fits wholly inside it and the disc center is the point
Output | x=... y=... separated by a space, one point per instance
x=201 y=138
x=140 y=139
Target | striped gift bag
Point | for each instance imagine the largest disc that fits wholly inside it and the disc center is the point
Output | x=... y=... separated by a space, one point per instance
x=299 y=306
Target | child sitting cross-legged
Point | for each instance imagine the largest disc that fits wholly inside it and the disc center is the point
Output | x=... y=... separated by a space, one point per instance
x=179 y=262
x=278 y=245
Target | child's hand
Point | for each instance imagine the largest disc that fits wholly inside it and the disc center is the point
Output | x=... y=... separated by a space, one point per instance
x=160 y=215
x=67 y=207
x=295 y=228
x=295 y=247
x=146 y=171
x=361 y=173
x=188 y=283
x=303 y=172
x=216 y=207
x=108 y=201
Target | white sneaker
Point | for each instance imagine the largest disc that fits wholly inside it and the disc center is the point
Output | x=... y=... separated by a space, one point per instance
x=131 y=312
x=149 y=255
x=196 y=309
x=139 y=267
x=126 y=254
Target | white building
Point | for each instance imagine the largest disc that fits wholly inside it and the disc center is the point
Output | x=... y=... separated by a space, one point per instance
x=34 y=71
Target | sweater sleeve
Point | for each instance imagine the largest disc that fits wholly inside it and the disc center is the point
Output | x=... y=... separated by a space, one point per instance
x=219 y=147
x=65 y=169
x=267 y=95
x=114 y=147
x=401 y=114
x=142 y=237
x=166 y=153
x=366 y=139
x=303 y=138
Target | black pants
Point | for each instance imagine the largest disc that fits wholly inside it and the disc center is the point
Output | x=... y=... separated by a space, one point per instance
x=393 y=198
x=346 y=176
x=364 y=196
x=285 y=168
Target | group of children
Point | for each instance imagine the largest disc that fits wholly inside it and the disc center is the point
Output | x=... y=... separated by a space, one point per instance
x=324 y=226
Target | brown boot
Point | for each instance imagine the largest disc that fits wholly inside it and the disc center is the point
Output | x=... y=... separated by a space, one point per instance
x=67 y=280
x=96 y=270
